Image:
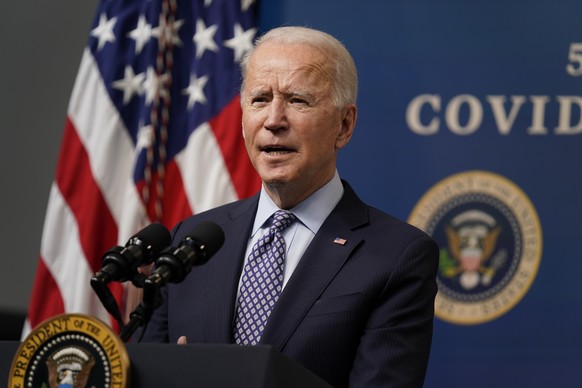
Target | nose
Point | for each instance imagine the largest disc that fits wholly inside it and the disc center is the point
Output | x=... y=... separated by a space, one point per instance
x=276 y=116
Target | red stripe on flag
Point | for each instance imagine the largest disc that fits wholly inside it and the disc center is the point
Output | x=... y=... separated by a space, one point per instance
x=46 y=300
x=97 y=228
x=243 y=175
x=174 y=202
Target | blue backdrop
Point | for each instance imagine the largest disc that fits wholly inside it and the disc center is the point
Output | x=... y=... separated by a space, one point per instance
x=472 y=109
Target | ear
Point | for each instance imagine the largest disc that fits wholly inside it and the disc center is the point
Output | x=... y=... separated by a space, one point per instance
x=347 y=124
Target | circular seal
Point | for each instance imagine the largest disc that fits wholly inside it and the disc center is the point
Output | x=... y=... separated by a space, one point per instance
x=490 y=242
x=70 y=350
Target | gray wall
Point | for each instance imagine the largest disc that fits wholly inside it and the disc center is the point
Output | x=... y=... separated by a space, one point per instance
x=41 y=43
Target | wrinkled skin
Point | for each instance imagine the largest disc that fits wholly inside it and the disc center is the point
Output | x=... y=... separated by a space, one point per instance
x=291 y=126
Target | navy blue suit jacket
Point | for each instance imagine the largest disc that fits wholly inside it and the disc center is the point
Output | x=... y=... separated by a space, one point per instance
x=358 y=314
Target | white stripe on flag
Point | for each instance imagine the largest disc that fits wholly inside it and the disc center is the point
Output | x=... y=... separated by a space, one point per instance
x=202 y=167
x=103 y=134
x=63 y=257
x=133 y=215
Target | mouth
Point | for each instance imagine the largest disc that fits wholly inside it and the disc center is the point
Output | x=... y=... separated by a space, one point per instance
x=276 y=150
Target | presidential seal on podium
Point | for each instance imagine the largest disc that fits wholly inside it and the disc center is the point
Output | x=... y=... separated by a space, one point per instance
x=70 y=350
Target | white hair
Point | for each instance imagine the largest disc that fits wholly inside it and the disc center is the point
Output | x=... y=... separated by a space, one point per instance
x=345 y=81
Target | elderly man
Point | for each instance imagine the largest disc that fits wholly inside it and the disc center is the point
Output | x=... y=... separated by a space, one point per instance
x=307 y=267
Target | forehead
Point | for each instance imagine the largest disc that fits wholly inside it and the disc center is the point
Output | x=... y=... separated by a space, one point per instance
x=289 y=62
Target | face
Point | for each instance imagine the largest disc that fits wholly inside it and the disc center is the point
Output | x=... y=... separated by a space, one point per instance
x=292 y=128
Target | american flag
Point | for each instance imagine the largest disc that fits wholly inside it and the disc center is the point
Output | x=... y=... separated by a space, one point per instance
x=152 y=133
x=340 y=241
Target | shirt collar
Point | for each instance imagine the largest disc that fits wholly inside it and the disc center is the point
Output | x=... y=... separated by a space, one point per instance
x=312 y=211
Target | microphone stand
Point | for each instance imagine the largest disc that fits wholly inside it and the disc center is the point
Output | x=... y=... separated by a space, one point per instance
x=99 y=285
x=140 y=316
x=152 y=299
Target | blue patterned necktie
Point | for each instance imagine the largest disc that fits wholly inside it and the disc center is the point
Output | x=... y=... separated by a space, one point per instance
x=262 y=281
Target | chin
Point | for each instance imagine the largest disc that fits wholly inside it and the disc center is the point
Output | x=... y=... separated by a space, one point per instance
x=272 y=176
x=274 y=182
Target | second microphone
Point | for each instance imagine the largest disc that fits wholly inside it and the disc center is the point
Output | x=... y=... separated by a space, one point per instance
x=196 y=248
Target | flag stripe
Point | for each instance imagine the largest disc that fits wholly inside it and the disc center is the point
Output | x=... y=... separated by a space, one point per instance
x=176 y=206
x=98 y=230
x=103 y=134
x=228 y=131
x=175 y=202
x=60 y=234
x=198 y=177
x=92 y=227
x=51 y=302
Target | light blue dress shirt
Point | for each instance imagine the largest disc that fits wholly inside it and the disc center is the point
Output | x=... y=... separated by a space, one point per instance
x=311 y=213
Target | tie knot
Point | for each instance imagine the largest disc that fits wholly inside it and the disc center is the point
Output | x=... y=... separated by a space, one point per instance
x=282 y=219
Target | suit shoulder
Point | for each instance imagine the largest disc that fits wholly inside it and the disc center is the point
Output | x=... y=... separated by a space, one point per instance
x=380 y=220
x=220 y=215
x=375 y=222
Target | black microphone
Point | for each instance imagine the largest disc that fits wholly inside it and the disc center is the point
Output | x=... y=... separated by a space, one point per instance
x=195 y=249
x=120 y=263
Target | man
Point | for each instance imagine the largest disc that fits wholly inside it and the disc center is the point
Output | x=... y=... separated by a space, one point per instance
x=358 y=285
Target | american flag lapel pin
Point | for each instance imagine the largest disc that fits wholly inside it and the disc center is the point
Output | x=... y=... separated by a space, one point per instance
x=340 y=241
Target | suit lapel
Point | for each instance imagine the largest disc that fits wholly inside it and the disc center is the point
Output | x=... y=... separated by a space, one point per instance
x=223 y=277
x=320 y=263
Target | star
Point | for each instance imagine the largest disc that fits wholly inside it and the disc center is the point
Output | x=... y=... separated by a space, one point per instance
x=245 y=4
x=145 y=137
x=242 y=41
x=152 y=85
x=195 y=90
x=130 y=84
x=141 y=34
x=168 y=34
x=204 y=38
x=104 y=31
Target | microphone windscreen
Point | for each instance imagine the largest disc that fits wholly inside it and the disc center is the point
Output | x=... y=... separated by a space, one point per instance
x=156 y=235
x=209 y=235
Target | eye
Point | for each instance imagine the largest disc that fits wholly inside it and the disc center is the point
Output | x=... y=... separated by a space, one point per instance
x=298 y=101
x=258 y=101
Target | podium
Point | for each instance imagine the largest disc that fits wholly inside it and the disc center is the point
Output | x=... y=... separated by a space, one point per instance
x=207 y=366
